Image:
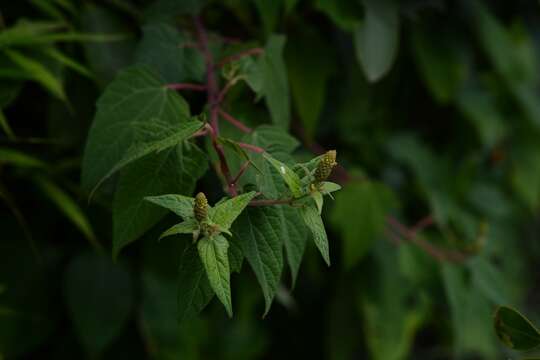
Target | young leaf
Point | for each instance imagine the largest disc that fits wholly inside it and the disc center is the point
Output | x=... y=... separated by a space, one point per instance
x=376 y=39
x=257 y=231
x=515 y=330
x=213 y=254
x=185 y=227
x=290 y=177
x=179 y=204
x=99 y=296
x=318 y=198
x=328 y=187
x=194 y=291
x=227 y=211
x=135 y=96
x=315 y=224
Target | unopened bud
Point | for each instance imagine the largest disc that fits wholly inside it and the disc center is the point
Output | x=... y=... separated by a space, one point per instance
x=200 y=209
x=326 y=164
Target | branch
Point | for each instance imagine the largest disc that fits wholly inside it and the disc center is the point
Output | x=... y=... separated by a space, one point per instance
x=254 y=148
x=186 y=86
x=432 y=250
x=249 y=52
x=237 y=123
x=241 y=171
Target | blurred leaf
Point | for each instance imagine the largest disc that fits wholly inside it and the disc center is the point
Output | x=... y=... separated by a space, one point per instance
x=38 y=73
x=525 y=175
x=4 y=124
x=515 y=330
x=471 y=314
x=269 y=12
x=165 y=10
x=105 y=59
x=26 y=31
x=393 y=310
x=316 y=226
x=441 y=63
x=99 y=296
x=345 y=13
x=18 y=158
x=213 y=254
x=174 y=170
x=136 y=96
x=194 y=291
x=489 y=280
x=268 y=78
x=377 y=38
x=165 y=50
x=69 y=207
x=257 y=231
x=310 y=64
x=360 y=215
x=68 y=61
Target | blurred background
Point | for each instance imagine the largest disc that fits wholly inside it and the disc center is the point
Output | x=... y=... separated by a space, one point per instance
x=433 y=107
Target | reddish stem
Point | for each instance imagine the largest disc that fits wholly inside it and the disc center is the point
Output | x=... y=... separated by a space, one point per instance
x=241 y=172
x=249 y=52
x=186 y=86
x=237 y=123
x=256 y=149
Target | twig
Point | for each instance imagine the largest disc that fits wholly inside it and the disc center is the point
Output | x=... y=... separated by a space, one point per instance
x=186 y=86
x=430 y=249
x=237 y=123
x=254 y=148
x=249 y=52
x=241 y=172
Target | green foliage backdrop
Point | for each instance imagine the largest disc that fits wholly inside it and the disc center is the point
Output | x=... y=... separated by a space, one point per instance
x=114 y=114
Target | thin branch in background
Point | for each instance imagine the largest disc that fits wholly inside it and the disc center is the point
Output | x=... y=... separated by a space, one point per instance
x=443 y=255
x=235 y=57
x=241 y=172
x=235 y=122
x=186 y=86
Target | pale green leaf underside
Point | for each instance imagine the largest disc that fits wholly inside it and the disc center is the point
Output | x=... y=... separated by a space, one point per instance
x=179 y=204
x=213 y=254
x=226 y=212
x=185 y=227
x=290 y=177
x=315 y=224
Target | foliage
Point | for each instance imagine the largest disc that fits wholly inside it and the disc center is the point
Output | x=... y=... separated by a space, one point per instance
x=158 y=154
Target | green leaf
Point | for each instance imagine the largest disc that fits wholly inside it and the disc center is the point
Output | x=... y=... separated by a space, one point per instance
x=515 y=330
x=69 y=207
x=68 y=61
x=135 y=96
x=344 y=13
x=441 y=62
x=213 y=254
x=294 y=234
x=310 y=64
x=179 y=204
x=163 y=48
x=359 y=215
x=26 y=31
x=185 y=227
x=37 y=72
x=319 y=201
x=4 y=125
x=194 y=291
x=164 y=10
x=290 y=177
x=257 y=231
x=376 y=39
x=269 y=12
x=156 y=136
x=268 y=78
x=99 y=295
x=227 y=211
x=328 y=187
x=315 y=224
x=17 y=158
x=174 y=170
